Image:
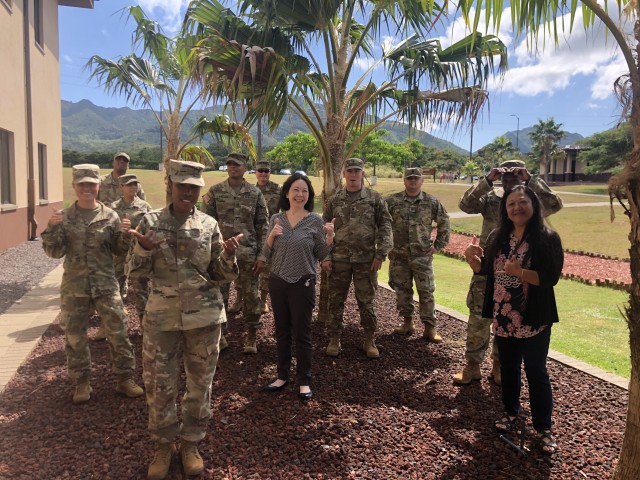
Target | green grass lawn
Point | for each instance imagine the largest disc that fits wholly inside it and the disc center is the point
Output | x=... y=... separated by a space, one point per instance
x=591 y=327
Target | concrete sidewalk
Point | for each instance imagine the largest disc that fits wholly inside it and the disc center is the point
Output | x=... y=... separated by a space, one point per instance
x=22 y=326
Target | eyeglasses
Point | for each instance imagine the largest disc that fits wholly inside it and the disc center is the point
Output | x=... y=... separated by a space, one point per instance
x=263 y=170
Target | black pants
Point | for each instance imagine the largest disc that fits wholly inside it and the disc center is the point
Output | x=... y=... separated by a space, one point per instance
x=292 y=305
x=533 y=351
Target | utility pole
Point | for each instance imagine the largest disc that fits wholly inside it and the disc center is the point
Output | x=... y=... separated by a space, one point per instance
x=517 y=130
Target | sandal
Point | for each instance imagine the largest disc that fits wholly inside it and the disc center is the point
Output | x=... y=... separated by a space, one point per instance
x=506 y=423
x=548 y=442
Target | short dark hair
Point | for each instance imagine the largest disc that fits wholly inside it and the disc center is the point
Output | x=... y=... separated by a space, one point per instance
x=283 y=204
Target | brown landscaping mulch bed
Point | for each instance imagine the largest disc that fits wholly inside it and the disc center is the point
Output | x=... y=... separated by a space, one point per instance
x=601 y=271
x=398 y=417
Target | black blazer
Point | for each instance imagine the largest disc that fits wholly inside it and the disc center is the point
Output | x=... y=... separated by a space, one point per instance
x=547 y=259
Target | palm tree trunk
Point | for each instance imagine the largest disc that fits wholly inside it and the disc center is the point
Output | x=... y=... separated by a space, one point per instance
x=629 y=461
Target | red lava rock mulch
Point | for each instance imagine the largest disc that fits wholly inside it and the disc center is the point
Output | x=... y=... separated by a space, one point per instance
x=589 y=269
x=398 y=417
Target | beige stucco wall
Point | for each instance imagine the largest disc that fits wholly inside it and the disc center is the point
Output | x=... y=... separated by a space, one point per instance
x=46 y=115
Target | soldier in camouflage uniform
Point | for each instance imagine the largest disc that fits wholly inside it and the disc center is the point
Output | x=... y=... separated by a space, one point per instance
x=182 y=251
x=109 y=186
x=241 y=208
x=133 y=208
x=484 y=198
x=109 y=193
x=271 y=192
x=362 y=241
x=87 y=235
x=413 y=214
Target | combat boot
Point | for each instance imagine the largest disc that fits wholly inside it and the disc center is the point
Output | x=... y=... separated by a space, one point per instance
x=495 y=372
x=159 y=466
x=430 y=335
x=333 y=349
x=128 y=387
x=250 y=342
x=192 y=462
x=470 y=372
x=223 y=343
x=264 y=308
x=82 y=392
x=369 y=346
x=406 y=328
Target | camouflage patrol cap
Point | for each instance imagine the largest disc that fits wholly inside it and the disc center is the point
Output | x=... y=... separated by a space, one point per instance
x=182 y=171
x=263 y=164
x=512 y=164
x=86 y=172
x=353 y=164
x=412 y=172
x=127 y=179
x=237 y=158
x=122 y=154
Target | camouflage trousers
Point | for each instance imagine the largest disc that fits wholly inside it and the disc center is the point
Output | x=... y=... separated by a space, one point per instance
x=264 y=278
x=247 y=283
x=140 y=285
x=365 y=283
x=160 y=354
x=74 y=318
x=478 y=328
x=402 y=273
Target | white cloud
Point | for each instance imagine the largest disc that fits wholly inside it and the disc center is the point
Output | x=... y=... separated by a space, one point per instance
x=171 y=12
x=593 y=54
x=67 y=58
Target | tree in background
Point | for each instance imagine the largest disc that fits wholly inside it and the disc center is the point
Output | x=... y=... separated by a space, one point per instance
x=426 y=156
x=609 y=149
x=375 y=150
x=300 y=54
x=496 y=152
x=160 y=78
x=545 y=18
x=298 y=151
x=545 y=137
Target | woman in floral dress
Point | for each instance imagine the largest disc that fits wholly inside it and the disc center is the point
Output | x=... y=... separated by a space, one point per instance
x=523 y=261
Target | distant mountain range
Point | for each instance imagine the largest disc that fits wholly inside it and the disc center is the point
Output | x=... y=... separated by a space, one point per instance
x=87 y=128
x=521 y=139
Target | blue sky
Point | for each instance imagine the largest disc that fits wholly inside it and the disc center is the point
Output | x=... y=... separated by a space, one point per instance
x=572 y=84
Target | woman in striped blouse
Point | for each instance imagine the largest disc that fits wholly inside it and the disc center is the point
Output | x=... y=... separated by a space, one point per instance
x=298 y=239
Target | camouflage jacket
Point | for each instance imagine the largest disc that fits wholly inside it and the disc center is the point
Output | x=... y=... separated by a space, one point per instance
x=483 y=198
x=362 y=226
x=87 y=250
x=134 y=211
x=110 y=190
x=412 y=224
x=243 y=212
x=185 y=271
x=271 y=192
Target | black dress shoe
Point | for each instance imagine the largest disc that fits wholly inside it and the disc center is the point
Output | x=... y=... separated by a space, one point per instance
x=271 y=388
x=305 y=396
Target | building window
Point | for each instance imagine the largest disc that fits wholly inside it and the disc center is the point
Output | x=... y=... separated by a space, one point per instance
x=6 y=167
x=42 y=170
x=37 y=22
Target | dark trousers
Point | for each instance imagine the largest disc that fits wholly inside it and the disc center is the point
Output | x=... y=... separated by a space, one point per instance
x=292 y=305
x=533 y=351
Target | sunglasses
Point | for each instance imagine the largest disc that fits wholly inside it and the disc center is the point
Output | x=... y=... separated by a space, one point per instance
x=263 y=170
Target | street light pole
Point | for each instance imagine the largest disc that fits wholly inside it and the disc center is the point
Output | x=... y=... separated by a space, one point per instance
x=517 y=130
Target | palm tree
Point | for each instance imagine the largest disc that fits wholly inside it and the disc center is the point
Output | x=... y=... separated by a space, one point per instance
x=160 y=76
x=545 y=137
x=497 y=151
x=537 y=18
x=302 y=55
